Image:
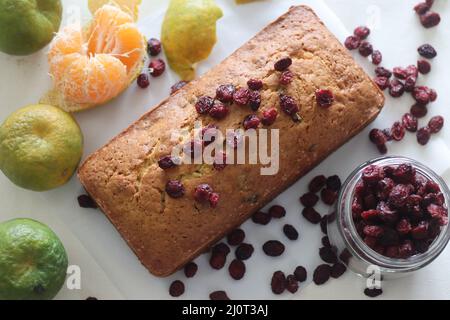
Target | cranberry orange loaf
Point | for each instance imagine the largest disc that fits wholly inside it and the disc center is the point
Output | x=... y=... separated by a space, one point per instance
x=304 y=83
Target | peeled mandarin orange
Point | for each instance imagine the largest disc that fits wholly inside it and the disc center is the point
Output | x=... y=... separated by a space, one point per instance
x=129 y=6
x=93 y=65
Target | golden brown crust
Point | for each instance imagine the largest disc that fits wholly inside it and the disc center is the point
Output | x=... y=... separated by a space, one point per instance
x=165 y=233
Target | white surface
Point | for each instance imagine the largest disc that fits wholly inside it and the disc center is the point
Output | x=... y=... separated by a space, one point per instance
x=110 y=269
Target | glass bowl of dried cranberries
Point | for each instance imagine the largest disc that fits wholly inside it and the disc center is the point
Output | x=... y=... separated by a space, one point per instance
x=391 y=216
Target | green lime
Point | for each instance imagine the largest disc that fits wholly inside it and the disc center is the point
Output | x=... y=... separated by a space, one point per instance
x=33 y=261
x=28 y=25
x=40 y=147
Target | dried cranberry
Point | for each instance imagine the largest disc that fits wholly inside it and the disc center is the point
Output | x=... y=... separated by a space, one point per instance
x=85 y=201
x=204 y=104
x=166 y=162
x=324 y=98
x=377 y=136
x=214 y=199
x=300 y=274
x=317 y=183
x=244 y=251
x=217 y=260
x=269 y=116
x=403 y=227
x=283 y=64
x=345 y=256
x=328 y=196
x=433 y=94
x=286 y=77
x=399 y=195
x=190 y=269
x=427 y=51
x=218 y=110
x=361 y=32
x=410 y=83
x=372 y=293
x=236 y=237
x=423 y=135
x=277 y=211
x=334 y=183
x=143 y=80
x=322 y=274
x=430 y=19
x=372 y=174
x=157 y=67
x=153 y=46
x=176 y=288
x=241 y=96
x=273 y=248
x=377 y=57
x=202 y=192
x=365 y=49
x=251 y=122
x=328 y=255
x=325 y=241
x=236 y=269
x=288 y=105
x=382 y=82
x=218 y=295
x=324 y=224
x=424 y=66
x=370 y=215
x=337 y=270
x=410 y=122
x=404 y=173
x=175 y=189
x=278 y=282
x=420 y=231
x=290 y=232
x=254 y=100
x=400 y=73
x=419 y=110
x=225 y=92
x=311 y=215
x=421 y=8
x=291 y=284
x=255 y=84
x=435 y=124
x=261 y=218
x=406 y=249
x=373 y=231
x=397 y=131
x=396 y=88
x=429 y=3
x=436 y=211
x=421 y=94
x=177 y=86
x=309 y=199
x=352 y=42
x=383 y=72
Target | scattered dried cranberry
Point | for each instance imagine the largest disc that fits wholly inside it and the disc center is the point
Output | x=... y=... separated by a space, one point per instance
x=382 y=82
x=236 y=237
x=85 y=201
x=352 y=42
x=421 y=94
x=383 y=72
x=277 y=211
x=324 y=98
x=218 y=295
x=435 y=124
x=290 y=232
x=254 y=100
x=241 y=96
x=410 y=83
x=225 y=92
x=400 y=73
x=283 y=64
x=365 y=49
x=175 y=189
x=244 y=251
x=221 y=248
x=397 y=131
x=325 y=241
x=300 y=274
x=251 y=122
x=288 y=105
x=177 y=86
x=328 y=196
x=143 y=80
x=166 y=162
x=372 y=293
x=317 y=183
x=321 y=274
x=430 y=19
x=218 y=259
x=204 y=104
x=334 y=183
x=424 y=66
x=218 y=110
x=337 y=270
x=324 y=224
x=311 y=215
x=269 y=116
x=190 y=269
x=396 y=88
x=427 y=51
x=286 y=77
x=377 y=57
x=236 y=269
x=309 y=199
x=377 y=136
x=291 y=284
x=273 y=248
x=176 y=288
x=278 y=283
x=345 y=256
x=153 y=46
x=410 y=122
x=260 y=217
x=255 y=84
x=418 y=110
x=361 y=32
x=328 y=255
x=157 y=67
x=421 y=8
x=423 y=135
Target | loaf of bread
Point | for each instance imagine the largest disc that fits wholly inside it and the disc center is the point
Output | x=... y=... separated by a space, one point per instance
x=125 y=180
